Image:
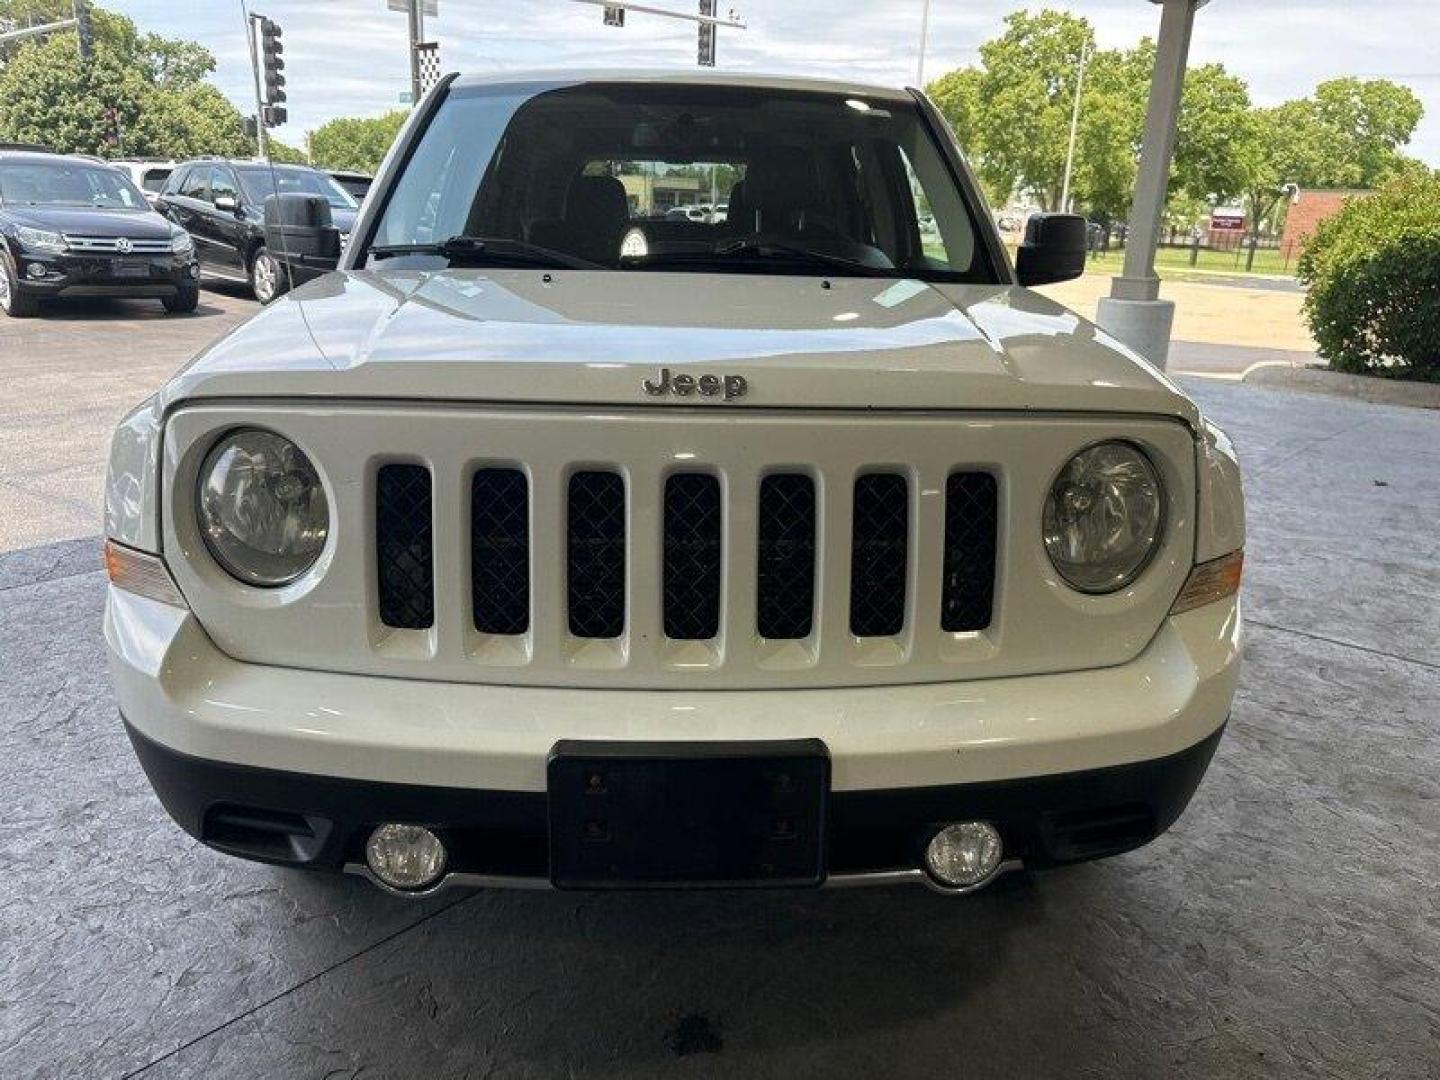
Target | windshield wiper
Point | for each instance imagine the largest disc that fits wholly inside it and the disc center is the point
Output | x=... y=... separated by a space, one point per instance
x=489 y=250
x=784 y=253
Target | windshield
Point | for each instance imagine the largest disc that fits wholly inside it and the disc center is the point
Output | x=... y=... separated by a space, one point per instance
x=63 y=183
x=676 y=177
x=259 y=185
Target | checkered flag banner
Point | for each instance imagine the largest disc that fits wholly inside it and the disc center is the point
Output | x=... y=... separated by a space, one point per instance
x=427 y=53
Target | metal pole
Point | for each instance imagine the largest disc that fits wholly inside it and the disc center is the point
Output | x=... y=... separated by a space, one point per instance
x=415 y=18
x=36 y=31
x=250 y=23
x=1074 y=128
x=1138 y=280
x=924 y=37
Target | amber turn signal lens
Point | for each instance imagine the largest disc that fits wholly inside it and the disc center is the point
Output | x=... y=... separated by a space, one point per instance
x=1211 y=582
x=141 y=573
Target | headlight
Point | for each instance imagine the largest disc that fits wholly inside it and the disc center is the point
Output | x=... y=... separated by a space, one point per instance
x=1103 y=517
x=181 y=244
x=40 y=239
x=262 y=508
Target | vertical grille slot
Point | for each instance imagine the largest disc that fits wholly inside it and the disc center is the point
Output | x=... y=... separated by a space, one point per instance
x=500 y=551
x=595 y=571
x=968 y=587
x=693 y=558
x=785 y=575
x=879 y=555
x=404 y=552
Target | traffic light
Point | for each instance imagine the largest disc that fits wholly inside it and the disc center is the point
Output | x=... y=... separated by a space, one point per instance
x=272 y=63
x=275 y=115
x=250 y=127
x=707 y=34
x=85 y=29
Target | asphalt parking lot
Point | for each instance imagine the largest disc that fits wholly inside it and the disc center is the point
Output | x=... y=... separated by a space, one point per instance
x=1289 y=924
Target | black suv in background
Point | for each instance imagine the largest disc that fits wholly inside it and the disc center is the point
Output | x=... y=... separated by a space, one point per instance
x=74 y=226
x=221 y=203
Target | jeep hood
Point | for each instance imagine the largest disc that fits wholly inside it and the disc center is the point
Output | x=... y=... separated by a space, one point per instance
x=593 y=338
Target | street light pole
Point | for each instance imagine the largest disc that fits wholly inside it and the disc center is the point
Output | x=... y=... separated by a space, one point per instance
x=924 y=41
x=1074 y=127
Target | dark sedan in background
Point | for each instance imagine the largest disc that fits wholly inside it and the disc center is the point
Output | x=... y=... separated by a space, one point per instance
x=221 y=203
x=72 y=227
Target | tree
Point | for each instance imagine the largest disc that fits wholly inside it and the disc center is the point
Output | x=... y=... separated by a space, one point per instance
x=355 y=143
x=1348 y=135
x=1013 y=116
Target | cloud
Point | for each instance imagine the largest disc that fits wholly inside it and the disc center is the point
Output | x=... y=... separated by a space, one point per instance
x=348 y=57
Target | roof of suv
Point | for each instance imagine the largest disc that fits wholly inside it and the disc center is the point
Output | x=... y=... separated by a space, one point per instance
x=562 y=77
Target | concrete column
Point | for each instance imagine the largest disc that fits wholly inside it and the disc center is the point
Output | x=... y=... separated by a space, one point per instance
x=1134 y=312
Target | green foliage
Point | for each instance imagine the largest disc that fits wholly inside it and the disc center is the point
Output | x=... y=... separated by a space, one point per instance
x=355 y=143
x=1349 y=135
x=141 y=95
x=1013 y=115
x=1374 y=276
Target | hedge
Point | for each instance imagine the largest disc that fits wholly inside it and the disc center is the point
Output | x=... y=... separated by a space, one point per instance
x=1373 y=272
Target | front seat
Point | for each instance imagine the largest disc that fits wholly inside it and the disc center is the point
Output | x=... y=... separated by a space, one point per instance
x=781 y=191
x=596 y=217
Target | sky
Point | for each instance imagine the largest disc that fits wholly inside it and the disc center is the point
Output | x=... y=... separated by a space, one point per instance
x=348 y=57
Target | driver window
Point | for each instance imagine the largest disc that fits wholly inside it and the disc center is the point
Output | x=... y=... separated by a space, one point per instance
x=222 y=185
x=197 y=184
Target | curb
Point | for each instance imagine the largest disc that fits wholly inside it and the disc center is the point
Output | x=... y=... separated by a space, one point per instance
x=1318 y=380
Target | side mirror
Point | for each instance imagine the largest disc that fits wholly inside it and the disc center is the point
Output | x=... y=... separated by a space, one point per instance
x=1053 y=250
x=227 y=203
x=299 y=230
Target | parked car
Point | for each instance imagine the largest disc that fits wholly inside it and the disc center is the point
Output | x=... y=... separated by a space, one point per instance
x=221 y=203
x=815 y=554
x=73 y=227
x=148 y=174
x=356 y=183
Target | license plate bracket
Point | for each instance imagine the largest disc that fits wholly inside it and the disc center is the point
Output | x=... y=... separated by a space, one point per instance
x=130 y=268
x=687 y=814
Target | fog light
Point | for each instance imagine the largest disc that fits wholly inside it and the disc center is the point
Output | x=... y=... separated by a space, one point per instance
x=194 y=270
x=36 y=270
x=964 y=855
x=405 y=856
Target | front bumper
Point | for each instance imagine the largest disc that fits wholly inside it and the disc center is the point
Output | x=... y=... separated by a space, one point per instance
x=296 y=766
x=73 y=275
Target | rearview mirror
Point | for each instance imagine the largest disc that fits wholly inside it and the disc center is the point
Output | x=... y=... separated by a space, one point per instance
x=1053 y=250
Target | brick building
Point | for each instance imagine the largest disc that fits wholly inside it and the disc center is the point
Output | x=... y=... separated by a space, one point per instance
x=1309 y=211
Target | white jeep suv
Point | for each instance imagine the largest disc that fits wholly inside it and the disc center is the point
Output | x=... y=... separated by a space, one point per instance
x=803 y=547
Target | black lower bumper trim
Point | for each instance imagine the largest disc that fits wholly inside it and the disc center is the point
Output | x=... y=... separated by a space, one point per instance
x=298 y=819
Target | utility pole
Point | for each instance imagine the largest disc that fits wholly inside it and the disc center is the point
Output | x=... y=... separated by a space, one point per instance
x=924 y=41
x=1085 y=53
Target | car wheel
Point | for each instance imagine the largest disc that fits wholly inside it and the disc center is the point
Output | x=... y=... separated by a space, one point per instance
x=185 y=300
x=267 y=276
x=13 y=302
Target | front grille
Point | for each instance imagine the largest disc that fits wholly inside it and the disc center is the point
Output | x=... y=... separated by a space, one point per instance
x=595 y=570
x=500 y=551
x=785 y=571
x=967 y=591
x=879 y=554
x=692 y=557
x=405 y=558
x=692 y=563
x=111 y=245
